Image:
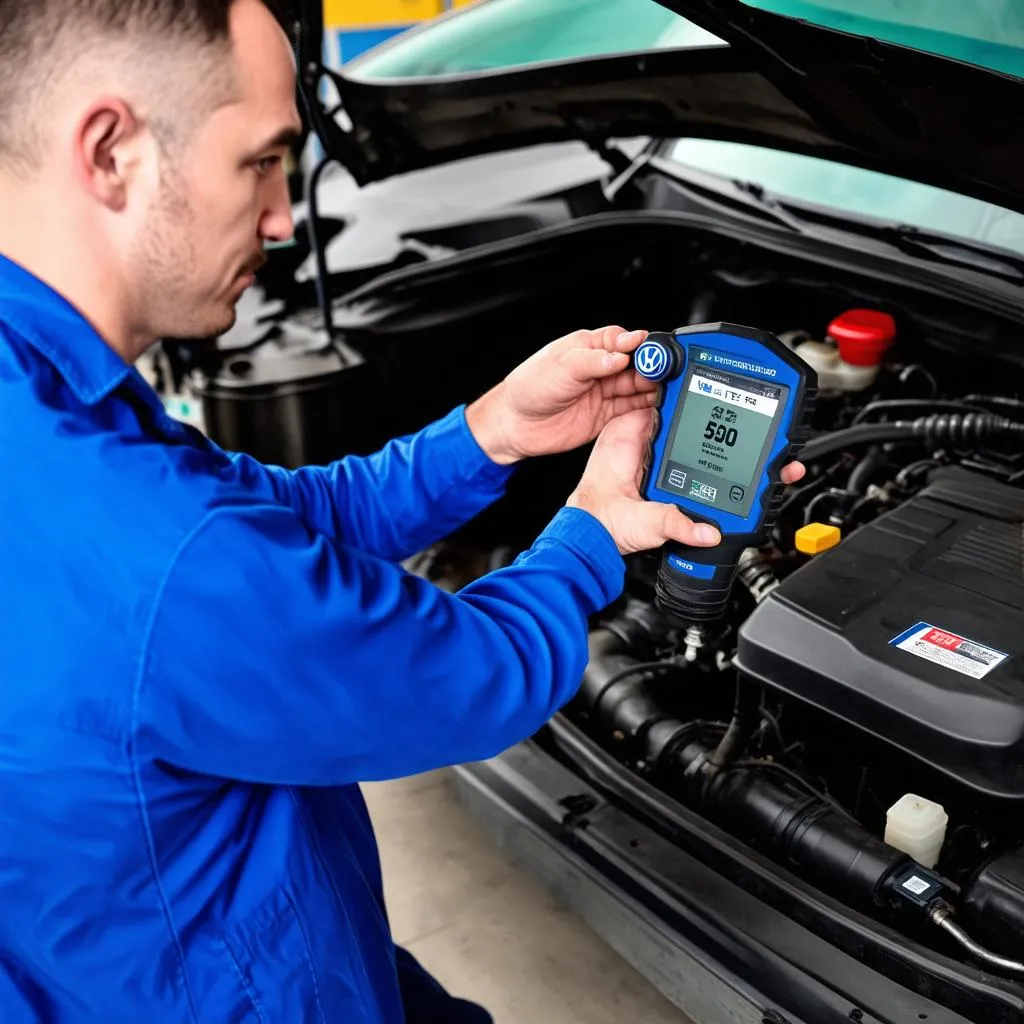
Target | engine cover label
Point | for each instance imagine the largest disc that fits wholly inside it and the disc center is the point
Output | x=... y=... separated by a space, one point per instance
x=949 y=650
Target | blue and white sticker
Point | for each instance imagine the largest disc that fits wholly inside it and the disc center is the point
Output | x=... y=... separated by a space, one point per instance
x=652 y=360
x=949 y=650
x=697 y=570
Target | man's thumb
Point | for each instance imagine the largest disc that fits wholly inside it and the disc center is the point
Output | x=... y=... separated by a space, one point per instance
x=669 y=523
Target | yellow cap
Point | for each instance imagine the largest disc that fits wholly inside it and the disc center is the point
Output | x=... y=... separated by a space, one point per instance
x=814 y=538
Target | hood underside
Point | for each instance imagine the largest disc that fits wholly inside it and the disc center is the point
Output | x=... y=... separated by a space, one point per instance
x=780 y=83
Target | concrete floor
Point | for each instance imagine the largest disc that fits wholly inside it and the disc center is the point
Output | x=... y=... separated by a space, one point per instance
x=486 y=929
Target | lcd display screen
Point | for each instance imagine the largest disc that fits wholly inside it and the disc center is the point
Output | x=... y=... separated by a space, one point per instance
x=720 y=438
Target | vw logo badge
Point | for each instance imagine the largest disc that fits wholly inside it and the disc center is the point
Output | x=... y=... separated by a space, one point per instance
x=652 y=360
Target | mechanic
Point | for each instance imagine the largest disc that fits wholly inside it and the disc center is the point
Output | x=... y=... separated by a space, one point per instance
x=202 y=656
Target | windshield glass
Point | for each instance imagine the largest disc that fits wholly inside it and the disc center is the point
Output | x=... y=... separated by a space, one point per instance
x=989 y=33
x=811 y=180
x=509 y=33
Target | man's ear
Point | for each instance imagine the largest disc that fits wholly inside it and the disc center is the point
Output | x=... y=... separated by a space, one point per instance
x=107 y=145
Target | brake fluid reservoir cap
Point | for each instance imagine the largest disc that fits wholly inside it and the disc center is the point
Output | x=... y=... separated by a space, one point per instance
x=814 y=538
x=862 y=335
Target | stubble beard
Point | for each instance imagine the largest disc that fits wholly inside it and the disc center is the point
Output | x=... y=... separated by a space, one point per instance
x=171 y=299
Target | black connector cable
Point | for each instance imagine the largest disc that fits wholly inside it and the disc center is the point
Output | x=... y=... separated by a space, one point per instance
x=318 y=245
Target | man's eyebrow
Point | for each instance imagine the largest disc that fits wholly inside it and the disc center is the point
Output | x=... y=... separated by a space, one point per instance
x=283 y=138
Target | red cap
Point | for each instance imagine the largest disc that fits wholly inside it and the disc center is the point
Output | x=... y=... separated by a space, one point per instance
x=862 y=335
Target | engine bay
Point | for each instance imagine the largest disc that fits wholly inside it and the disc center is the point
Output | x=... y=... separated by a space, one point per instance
x=857 y=716
x=856 y=735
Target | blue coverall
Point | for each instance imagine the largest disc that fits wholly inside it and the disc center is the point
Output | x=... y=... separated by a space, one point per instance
x=200 y=658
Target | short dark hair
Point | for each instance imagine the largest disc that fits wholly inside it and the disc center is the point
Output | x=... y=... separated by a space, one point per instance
x=39 y=38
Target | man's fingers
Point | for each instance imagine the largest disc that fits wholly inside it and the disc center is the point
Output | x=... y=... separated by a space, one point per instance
x=588 y=364
x=628 y=341
x=611 y=339
x=627 y=403
x=629 y=383
x=603 y=337
x=793 y=472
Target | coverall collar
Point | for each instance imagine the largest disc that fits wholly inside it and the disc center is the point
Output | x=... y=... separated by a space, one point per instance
x=60 y=333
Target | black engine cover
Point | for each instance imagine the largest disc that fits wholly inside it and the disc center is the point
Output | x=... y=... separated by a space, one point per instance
x=944 y=575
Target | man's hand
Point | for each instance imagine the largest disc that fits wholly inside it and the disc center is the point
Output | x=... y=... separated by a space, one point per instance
x=610 y=491
x=562 y=396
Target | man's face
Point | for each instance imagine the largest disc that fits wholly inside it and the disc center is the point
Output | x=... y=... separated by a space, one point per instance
x=223 y=195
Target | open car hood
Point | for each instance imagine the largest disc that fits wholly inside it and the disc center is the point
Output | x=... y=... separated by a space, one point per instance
x=780 y=83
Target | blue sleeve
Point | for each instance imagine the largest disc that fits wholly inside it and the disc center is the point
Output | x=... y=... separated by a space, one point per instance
x=398 y=501
x=277 y=655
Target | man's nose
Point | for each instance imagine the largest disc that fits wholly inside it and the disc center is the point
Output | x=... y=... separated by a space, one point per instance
x=277 y=223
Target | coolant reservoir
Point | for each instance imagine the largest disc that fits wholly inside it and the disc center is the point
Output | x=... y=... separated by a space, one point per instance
x=852 y=352
x=917 y=827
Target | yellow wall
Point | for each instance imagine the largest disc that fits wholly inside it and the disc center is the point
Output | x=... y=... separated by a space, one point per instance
x=379 y=13
x=384 y=12
x=353 y=26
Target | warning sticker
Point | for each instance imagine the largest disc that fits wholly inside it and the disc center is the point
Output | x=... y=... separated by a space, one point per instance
x=949 y=650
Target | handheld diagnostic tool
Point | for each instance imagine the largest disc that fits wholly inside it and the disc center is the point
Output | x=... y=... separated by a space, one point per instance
x=732 y=411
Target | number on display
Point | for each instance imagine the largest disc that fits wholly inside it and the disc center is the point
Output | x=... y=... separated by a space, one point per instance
x=720 y=433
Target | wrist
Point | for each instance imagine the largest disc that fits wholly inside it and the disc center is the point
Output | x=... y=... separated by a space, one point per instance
x=586 y=501
x=486 y=419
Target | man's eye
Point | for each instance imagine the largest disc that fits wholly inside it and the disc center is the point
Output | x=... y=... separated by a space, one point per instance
x=267 y=164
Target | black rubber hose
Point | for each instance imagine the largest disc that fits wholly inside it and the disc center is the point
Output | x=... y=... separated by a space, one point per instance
x=614 y=691
x=807 y=835
x=938 y=429
x=745 y=719
x=776 y=815
x=318 y=245
x=864 y=471
x=908 y=405
x=1017 y=404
